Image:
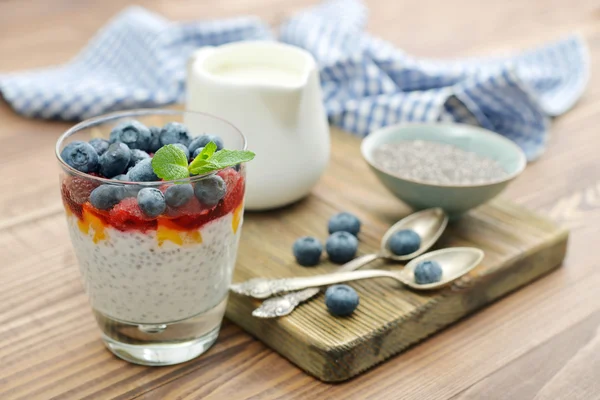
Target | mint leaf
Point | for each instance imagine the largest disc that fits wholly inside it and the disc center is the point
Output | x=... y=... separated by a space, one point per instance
x=229 y=158
x=205 y=168
x=204 y=155
x=219 y=160
x=170 y=163
x=208 y=150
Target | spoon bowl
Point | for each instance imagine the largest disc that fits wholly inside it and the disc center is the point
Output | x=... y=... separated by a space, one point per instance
x=428 y=224
x=455 y=262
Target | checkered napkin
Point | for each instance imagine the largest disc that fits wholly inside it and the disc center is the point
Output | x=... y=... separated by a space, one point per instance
x=138 y=60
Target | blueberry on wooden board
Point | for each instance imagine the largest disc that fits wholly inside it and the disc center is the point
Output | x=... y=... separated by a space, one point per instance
x=341 y=300
x=307 y=251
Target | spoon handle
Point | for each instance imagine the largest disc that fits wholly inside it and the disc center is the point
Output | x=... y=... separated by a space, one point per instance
x=358 y=262
x=284 y=305
x=263 y=288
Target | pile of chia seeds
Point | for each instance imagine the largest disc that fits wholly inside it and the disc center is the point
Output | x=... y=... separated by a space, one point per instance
x=436 y=163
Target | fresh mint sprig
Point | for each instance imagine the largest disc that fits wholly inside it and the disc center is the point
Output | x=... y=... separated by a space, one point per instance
x=170 y=162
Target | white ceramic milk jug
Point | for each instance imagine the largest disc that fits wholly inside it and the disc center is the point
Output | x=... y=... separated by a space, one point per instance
x=271 y=93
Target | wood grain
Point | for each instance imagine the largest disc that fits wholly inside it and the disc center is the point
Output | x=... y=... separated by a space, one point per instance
x=514 y=349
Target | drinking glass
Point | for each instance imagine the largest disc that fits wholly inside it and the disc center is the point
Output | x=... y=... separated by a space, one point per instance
x=157 y=286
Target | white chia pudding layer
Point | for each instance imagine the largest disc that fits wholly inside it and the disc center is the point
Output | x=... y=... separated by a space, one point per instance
x=129 y=277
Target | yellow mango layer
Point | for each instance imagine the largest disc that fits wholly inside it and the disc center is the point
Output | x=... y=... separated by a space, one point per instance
x=88 y=221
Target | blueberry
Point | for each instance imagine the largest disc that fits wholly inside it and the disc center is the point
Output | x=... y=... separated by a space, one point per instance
x=197 y=152
x=133 y=133
x=81 y=156
x=151 y=202
x=202 y=140
x=114 y=136
x=307 y=251
x=344 y=222
x=404 y=242
x=154 y=139
x=106 y=197
x=100 y=145
x=428 y=272
x=115 y=160
x=137 y=156
x=341 y=247
x=341 y=300
x=174 y=132
x=210 y=190
x=237 y=167
x=143 y=172
x=178 y=195
x=184 y=149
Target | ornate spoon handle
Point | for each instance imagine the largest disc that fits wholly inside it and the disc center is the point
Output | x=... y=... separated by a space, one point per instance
x=284 y=305
x=263 y=288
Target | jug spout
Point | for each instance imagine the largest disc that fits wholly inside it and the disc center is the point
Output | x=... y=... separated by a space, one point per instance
x=197 y=56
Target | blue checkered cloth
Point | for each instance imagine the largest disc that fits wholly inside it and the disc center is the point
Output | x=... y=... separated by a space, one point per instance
x=138 y=60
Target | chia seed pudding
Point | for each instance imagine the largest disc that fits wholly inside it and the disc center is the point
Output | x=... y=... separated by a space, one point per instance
x=150 y=251
x=436 y=163
x=149 y=270
x=133 y=276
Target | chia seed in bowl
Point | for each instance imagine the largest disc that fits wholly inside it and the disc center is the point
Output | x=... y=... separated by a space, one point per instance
x=436 y=163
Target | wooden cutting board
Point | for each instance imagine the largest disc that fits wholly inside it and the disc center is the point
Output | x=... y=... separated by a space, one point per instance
x=519 y=246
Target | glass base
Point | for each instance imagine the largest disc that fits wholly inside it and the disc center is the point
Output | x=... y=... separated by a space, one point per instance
x=161 y=354
x=162 y=344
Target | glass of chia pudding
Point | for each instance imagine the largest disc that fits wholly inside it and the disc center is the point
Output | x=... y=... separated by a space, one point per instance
x=156 y=255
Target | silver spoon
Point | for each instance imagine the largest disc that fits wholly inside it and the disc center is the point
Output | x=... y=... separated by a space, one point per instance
x=428 y=224
x=455 y=262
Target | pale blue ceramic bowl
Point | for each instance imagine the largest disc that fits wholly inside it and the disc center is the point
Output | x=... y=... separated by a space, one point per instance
x=454 y=199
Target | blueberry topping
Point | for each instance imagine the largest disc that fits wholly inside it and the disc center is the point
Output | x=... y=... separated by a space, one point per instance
x=341 y=247
x=81 y=156
x=203 y=140
x=404 y=242
x=106 y=197
x=115 y=160
x=100 y=145
x=178 y=195
x=133 y=133
x=341 y=300
x=154 y=139
x=137 y=156
x=174 y=132
x=344 y=222
x=114 y=136
x=196 y=152
x=151 y=202
x=143 y=172
x=428 y=272
x=184 y=149
x=307 y=251
x=210 y=190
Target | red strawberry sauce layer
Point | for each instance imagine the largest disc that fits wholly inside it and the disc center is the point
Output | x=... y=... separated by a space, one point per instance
x=127 y=215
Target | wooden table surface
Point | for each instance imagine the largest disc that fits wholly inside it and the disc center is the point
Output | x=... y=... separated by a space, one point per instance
x=541 y=342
